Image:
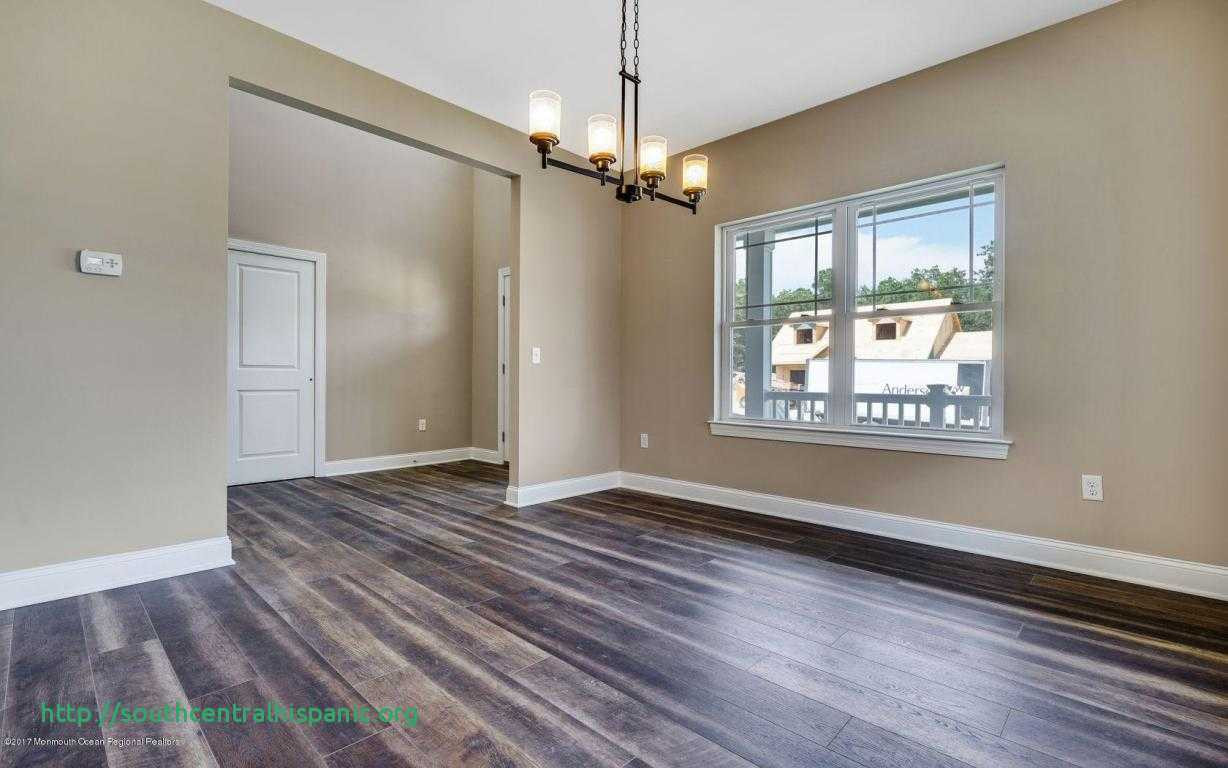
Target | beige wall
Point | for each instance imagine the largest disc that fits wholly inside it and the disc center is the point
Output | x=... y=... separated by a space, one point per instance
x=569 y=413
x=113 y=391
x=397 y=226
x=1113 y=129
x=492 y=250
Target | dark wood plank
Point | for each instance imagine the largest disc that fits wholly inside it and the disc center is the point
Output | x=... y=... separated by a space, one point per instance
x=666 y=656
x=248 y=743
x=1204 y=671
x=256 y=530
x=623 y=720
x=875 y=747
x=288 y=667
x=139 y=675
x=740 y=729
x=448 y=734
x=572 y=582
x=206 y=661
x=1109 y=742
x=174 y=607
x=472 y=584
x=971 y=745
x=349 y=497
x=681 y=605
x=349 y=647
x=49 y=664
x=546 y=734
x=386 y=749
x=22 y=724
x=113 y=619
x=1048 y=696
x=6 y=644
x=452 y=624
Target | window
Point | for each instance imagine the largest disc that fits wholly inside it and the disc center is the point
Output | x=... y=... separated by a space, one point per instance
x=871 y=320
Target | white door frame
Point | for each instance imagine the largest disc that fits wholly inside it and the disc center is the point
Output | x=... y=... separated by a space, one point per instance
x=503 y=377
x=321 y=262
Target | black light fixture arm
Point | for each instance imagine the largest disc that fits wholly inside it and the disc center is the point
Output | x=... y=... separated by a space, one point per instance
x=628 y=193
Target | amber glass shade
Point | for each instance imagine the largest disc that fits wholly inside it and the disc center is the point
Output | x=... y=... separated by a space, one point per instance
x=653 y=154
x=694 y=174
x=602 y=138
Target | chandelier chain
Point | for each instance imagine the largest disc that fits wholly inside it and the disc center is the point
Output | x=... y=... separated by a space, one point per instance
x=637 y=38
x=622 y=41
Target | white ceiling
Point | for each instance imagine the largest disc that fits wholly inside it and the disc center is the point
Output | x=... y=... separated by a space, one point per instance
x=710 y=67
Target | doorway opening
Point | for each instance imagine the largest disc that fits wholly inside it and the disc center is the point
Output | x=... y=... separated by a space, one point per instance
x=420 y=246
x=505 y=357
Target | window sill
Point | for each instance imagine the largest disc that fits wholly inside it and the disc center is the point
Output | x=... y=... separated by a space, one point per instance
x=949 y=445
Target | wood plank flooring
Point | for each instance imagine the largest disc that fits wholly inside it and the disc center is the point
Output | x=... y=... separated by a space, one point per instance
x=617 y=630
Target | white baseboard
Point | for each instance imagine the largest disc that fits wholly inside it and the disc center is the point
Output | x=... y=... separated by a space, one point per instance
x=1151 y=570
x=398 y=461
x=525 y=495
x=1166 y=573
x=486 y=455
x=79 y=577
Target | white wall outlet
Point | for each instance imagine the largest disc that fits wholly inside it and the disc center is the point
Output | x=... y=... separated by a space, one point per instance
x=643 y=439
x=536 y=355
x=421 y=425
x=100 y=263
x=1093 y=488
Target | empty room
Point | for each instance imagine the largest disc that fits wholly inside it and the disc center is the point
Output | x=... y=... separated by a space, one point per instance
x=613 y=384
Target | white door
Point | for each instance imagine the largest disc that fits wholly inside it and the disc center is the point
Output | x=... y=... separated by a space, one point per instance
x=271 y=313
x=505 y=298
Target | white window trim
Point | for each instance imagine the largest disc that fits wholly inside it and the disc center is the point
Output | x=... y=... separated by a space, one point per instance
x=992 y=444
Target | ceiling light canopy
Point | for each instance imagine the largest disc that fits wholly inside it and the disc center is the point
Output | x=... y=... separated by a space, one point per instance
x=607 y=137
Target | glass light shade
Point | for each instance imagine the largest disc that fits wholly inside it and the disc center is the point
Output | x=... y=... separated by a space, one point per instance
x=602 y=138
x=653 y=154
x=545 y=116
x=694 y=174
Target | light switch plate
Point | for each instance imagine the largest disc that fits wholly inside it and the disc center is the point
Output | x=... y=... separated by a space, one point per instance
x=536 y=355
x=100 y=263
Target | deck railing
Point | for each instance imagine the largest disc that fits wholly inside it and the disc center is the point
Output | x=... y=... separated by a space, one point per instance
x=935 y=409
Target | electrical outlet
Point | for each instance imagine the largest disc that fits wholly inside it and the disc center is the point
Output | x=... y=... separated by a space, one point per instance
x=421 y=425
x=643 y=439
x=1093 y=488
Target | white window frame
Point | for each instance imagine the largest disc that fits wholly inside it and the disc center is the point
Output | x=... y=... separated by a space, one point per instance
x=842 y=430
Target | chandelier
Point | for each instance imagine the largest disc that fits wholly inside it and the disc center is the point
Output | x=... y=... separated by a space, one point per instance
x=545 y=121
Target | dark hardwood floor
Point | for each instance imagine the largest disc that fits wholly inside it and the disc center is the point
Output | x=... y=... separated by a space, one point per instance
x=615 y=629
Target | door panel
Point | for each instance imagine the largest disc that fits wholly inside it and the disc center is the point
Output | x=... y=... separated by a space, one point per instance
x=268 y=421
x=268 y=317
x=272 y=367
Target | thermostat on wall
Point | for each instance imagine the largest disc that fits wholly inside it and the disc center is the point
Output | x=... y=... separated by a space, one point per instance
x=100 y=263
